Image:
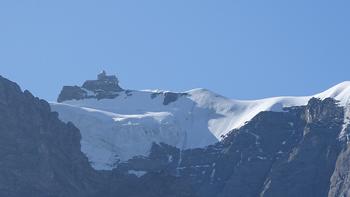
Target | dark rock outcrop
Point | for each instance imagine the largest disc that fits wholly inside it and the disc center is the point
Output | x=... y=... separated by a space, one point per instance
x=105 y=87
x=72 y=93
x=169 y=97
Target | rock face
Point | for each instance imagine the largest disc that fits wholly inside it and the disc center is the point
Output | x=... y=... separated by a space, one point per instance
x=40 y=155
x=106 y=86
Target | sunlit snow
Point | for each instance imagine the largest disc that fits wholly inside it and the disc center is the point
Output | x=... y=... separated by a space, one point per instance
x=115 y=130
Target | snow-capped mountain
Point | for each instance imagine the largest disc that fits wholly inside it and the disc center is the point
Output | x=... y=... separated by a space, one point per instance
x=296 y=151
x=118 y=124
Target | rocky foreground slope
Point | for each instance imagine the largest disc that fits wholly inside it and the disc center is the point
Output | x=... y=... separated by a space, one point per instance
x=40 y=155
x=299 y=151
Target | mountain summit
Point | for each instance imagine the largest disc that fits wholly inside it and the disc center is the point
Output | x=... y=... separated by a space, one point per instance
x=105 y=86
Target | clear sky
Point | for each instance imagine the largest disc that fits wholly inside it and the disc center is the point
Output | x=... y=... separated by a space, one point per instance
x=242 y=49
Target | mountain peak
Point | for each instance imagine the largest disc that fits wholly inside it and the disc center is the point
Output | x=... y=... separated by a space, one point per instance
x=105 y=86
x=340 y=92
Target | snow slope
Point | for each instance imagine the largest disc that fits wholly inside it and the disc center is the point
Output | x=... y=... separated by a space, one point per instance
x=115 y=130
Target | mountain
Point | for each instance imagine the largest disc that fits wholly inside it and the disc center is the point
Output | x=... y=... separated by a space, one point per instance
x=117 y=124
x=292 y=151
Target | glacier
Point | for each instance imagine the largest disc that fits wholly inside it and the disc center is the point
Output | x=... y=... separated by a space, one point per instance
x=117 y=129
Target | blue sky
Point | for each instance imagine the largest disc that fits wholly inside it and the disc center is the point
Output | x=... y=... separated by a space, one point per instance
x=241 y=49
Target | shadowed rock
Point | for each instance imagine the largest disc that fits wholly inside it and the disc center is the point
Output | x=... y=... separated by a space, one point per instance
x=40 y=155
